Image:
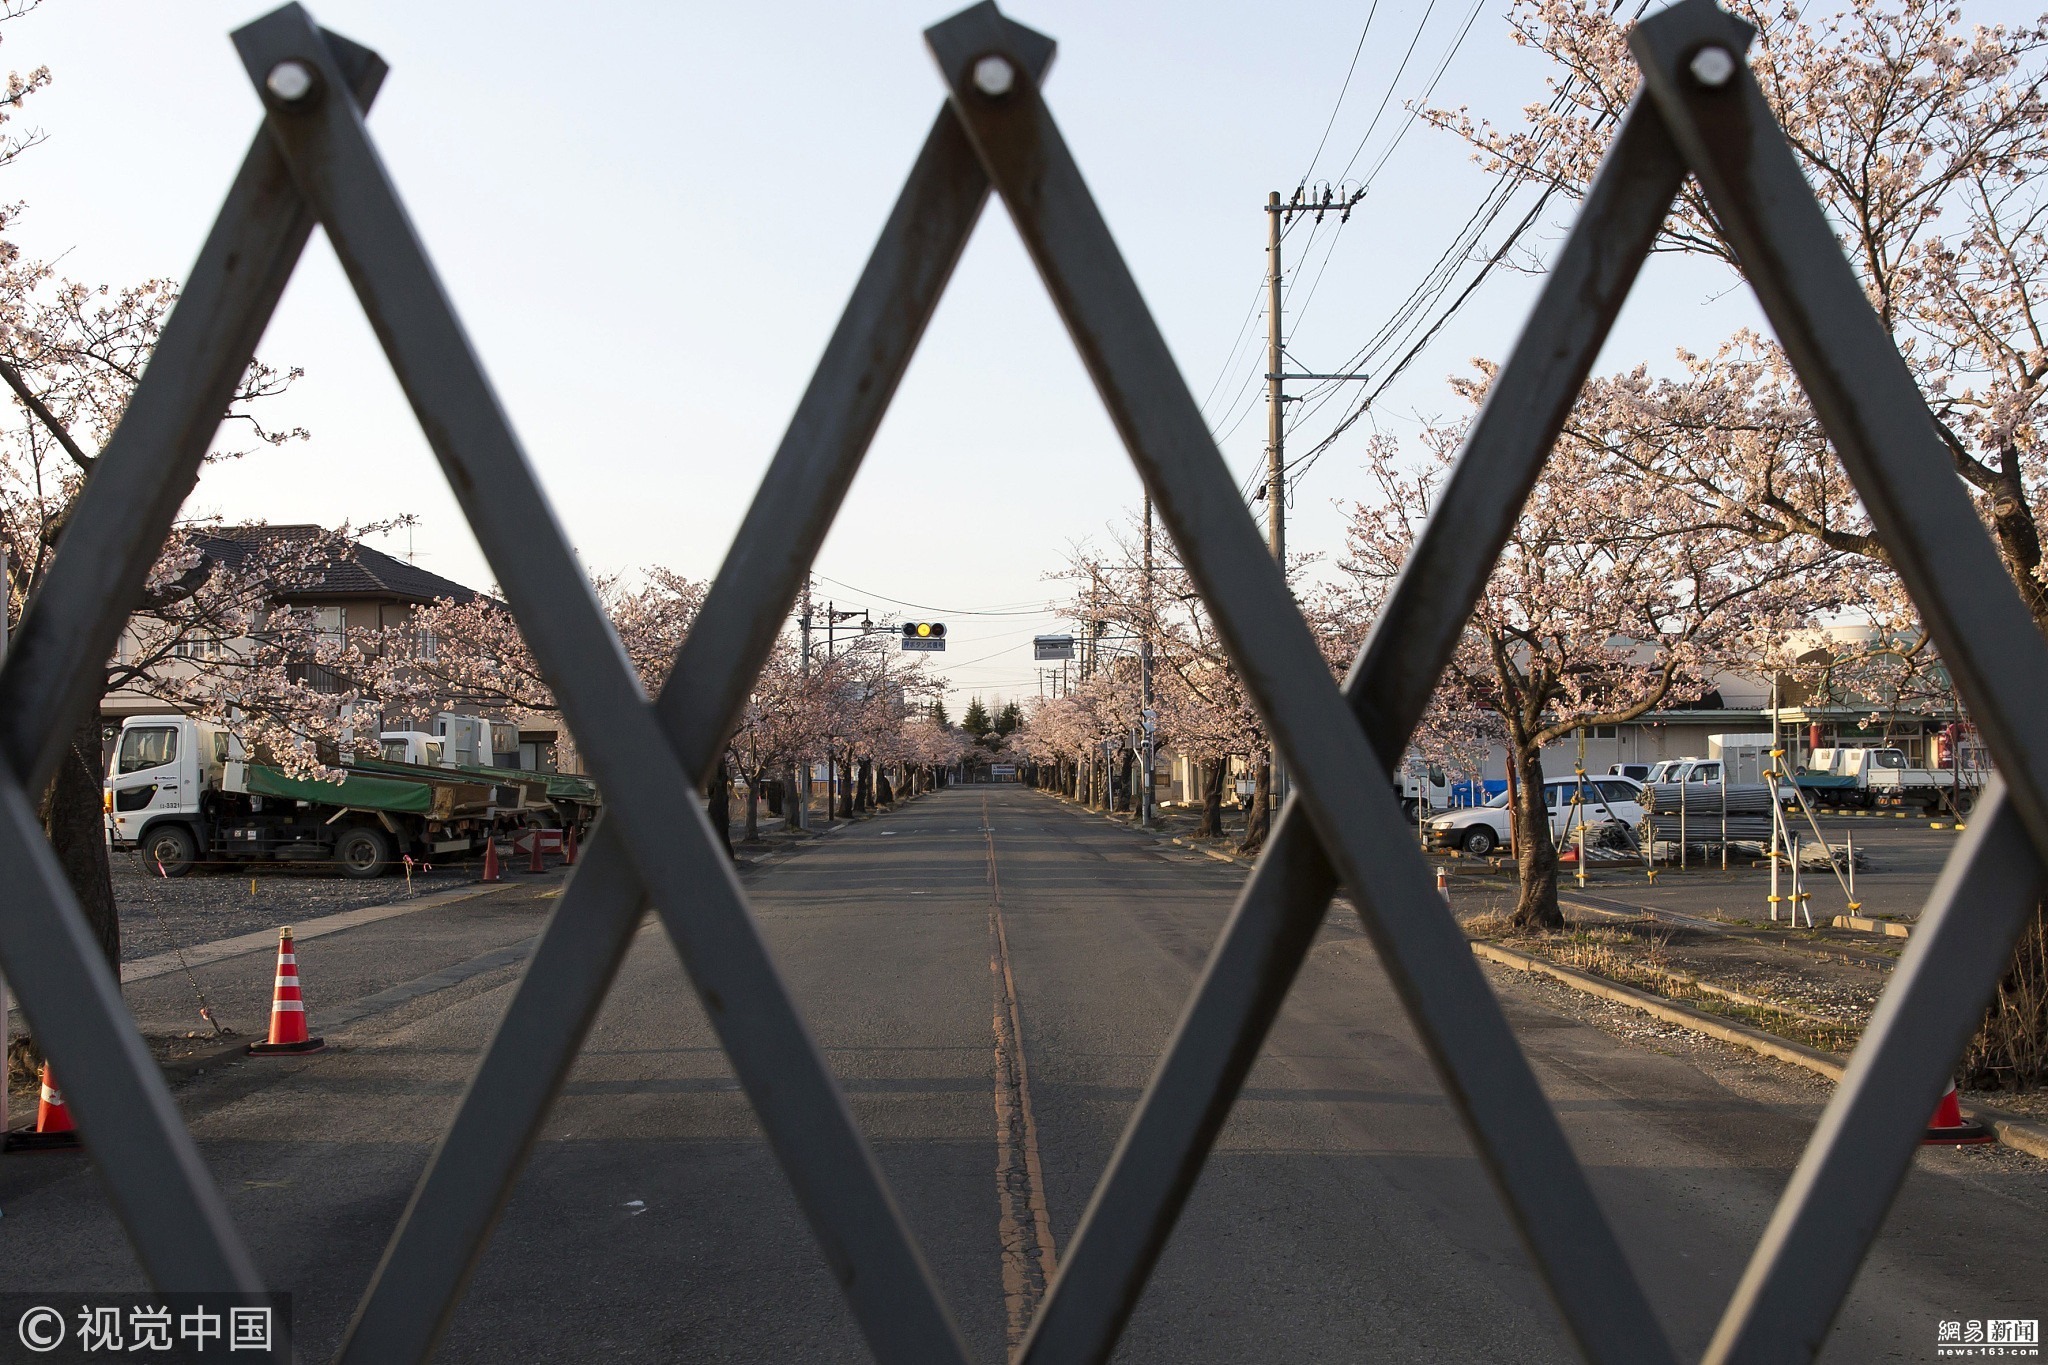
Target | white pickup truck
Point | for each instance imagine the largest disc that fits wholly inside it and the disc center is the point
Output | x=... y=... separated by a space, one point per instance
x=1881 y=777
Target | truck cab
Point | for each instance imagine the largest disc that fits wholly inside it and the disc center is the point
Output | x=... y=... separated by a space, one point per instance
x=1422 y=788
x=161 y=770
x=413 y=746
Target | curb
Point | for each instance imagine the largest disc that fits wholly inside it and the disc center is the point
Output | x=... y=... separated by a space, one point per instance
x=265 y=940
x=1756 y=1040
x=2021 y=1134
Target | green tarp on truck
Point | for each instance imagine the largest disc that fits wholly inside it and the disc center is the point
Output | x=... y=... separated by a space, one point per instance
x=359 y=791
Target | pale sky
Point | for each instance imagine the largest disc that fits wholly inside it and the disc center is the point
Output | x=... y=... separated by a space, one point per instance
x=650 y=216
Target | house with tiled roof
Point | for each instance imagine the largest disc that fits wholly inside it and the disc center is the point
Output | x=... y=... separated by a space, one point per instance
x=364 y=590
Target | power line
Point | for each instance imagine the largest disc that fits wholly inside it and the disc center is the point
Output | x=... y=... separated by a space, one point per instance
x=1014 y=610
x=1341 y=92
x=1392 y=85
x=1412 y=317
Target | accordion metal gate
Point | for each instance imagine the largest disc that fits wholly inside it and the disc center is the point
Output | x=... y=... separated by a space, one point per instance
x=1699 y=112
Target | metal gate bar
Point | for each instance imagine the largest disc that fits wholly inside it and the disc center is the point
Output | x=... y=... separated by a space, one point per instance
x=1281 y=908
x=998 y=131
x=446 y=1227
x=685 y=872
x=1337 y=778
x=1859 y=1153
x=155 y=1178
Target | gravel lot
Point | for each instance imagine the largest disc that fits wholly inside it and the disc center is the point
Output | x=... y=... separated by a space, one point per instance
x=159 y=914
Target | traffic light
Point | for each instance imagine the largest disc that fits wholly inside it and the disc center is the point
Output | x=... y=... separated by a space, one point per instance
x=924 y=630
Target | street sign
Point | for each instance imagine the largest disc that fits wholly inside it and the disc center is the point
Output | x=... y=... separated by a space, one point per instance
x=925 y=643
x=1052 y=647
x=1002 y=770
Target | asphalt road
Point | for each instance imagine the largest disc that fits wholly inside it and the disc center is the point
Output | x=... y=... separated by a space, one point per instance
x=1342 y=1219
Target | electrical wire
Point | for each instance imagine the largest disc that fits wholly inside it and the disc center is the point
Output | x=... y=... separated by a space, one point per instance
x=1341 y=92
x=1411 y=324
x=1015 y=609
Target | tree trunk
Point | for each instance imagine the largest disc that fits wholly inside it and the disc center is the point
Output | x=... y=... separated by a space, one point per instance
x=845 y=779
x=75 y=818
x=884 y=793
x=753 y=808
x=1536 y=904
x=776 y=804
x=1123 y=795
x=1258 y=821
x=718 y=804
x=1211 y=826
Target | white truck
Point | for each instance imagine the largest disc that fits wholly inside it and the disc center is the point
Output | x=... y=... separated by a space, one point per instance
x=1882 y=777
x=455 y=744
x=183 y=792
x=1422 y=788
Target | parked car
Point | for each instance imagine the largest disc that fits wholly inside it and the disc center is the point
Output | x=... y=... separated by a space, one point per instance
x=1598 y=801
x=1640 y=772
x=1667 y=771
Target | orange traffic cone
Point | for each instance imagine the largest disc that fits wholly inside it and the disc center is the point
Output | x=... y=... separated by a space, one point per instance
x=568 y=846
x=1950 y=1129
x=54 y=1131
x=287 y=1008
x=533 y=862
x=1443 y=885
x=491 y=872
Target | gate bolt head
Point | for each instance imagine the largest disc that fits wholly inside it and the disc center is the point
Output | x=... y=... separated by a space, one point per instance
x=290 y=81
x=1712 y=66
x=994 y=76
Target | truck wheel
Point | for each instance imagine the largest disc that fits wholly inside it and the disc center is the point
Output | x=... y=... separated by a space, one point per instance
x=1477 y=841
x=363 y=851
x=1966 y=802
x=1409 y=810
x=170 y=847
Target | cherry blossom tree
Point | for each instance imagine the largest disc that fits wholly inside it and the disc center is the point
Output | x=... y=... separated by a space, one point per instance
x=1609 y=600
x=1925 y=140
x=70 y=355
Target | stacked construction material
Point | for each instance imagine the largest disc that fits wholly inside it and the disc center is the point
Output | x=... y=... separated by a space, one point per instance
x=1697 y=807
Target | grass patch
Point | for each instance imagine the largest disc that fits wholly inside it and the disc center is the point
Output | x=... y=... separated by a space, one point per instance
x=1642 y=961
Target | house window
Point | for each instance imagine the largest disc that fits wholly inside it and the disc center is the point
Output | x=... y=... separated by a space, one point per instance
x=200 y=647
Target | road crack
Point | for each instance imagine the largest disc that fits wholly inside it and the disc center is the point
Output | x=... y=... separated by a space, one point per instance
x=1024 y=1222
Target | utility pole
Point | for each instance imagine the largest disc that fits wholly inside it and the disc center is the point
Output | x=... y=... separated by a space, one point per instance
x=1146 y=729
x=1276 y=426
x=833 y=616
x=1277 y=377
x=831 y=770
x=803 y=794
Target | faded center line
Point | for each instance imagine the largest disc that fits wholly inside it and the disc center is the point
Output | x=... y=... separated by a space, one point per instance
x=1024 y=1224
